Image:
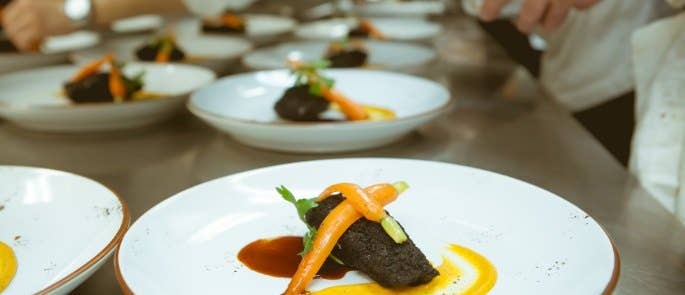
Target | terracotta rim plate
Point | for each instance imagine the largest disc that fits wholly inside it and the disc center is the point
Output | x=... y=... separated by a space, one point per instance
x=61 y=226
x=33 y=98
x=382 y=55
x=242 y=105
x=538 y=242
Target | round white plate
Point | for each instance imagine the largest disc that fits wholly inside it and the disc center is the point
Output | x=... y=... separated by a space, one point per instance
x=137 y=24
x=257 y=26
x=382 y=54
x=538 y=242
x=62 y=227
x=33 y=98
x=216 y=53
x=53 y=51
x=394 y=8
x=242 y=106
x=393 y=28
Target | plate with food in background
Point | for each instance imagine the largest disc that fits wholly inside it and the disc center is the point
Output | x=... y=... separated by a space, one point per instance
x=53 y=50
x=56 y=229
x=400 y=29
x=366 y=226
x=346 y=53
x=256 y=27
x=216 y=53
x=315 y=111
x=105 y=94
x=393 y=8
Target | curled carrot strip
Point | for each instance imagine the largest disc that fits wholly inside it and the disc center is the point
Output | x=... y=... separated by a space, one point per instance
x=361 y=201
x=116 y=83
x=330 y=230
x=231 y=20
x=91 y=68
x=352 y=110
x=367 y=26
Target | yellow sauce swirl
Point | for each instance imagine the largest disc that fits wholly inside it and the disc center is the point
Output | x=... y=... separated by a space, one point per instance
x=452 y=278
x=8 y=266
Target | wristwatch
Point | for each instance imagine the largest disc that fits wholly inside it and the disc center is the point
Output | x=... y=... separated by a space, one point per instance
x=79 y=12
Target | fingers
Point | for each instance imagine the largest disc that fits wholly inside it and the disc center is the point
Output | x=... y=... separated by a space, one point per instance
x=556 y=14
x=531 y=15
x=584 y=4
x=492 y=8
x=22 y=26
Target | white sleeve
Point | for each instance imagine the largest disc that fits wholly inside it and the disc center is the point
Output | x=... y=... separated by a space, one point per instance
x=215 y=7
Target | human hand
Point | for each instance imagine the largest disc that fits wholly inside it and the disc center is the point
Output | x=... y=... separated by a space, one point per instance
x=27 y=22
x=550 y=14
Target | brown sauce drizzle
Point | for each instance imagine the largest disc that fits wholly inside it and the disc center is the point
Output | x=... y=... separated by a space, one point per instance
x=278 y=257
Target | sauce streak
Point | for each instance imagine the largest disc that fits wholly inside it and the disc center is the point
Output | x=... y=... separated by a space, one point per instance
x=278 y=257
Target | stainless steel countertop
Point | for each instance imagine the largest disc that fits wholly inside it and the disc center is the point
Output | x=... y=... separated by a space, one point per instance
x=510 y=128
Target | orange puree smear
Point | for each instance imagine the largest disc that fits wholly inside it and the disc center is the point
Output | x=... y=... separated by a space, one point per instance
x=450 y=275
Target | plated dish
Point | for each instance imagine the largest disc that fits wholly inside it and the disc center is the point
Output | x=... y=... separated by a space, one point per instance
x=235 y=24
x=138 y=24
x=56 y=229
x=400 y=29
x=98 y=96
x=54 y=50
x=351 y=110
x=394 y=8
x=351 y=53
x=216 y=53
x=458 y=234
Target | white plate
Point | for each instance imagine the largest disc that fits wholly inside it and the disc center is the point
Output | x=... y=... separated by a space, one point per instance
x=216 y=53
x=33 y=98
x=393 y=28
x=523 y=230
x=257 y=26
x=53 y=51
x=382 y=54
x=242 y=106
x=395 y=8
x=136 y=24
x=62 y=227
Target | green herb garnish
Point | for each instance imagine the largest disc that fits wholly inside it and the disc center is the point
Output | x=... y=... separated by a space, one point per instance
x=308 y=74
x=302 y=206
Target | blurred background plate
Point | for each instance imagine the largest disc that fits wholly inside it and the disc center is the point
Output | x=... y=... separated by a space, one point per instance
x=62 y=227
x=405 y=29
x=34 y=99
x=382 y=54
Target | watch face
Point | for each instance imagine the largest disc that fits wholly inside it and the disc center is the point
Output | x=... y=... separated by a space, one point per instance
x=77 y=10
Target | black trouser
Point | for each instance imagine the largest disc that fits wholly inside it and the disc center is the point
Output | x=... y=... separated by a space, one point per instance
x=612 y=122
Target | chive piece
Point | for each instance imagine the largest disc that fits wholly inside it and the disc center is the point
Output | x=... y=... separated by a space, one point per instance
x=393 y=229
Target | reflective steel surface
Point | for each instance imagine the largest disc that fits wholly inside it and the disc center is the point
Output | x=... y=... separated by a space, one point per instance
x=501 y=122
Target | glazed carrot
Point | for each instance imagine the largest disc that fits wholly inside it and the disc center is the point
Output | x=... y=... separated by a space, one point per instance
x=351 y=109
x=370 y=28
x=231 y=20
x=330 y=230
x=164 y=54
x=91 y=68
x=368 y=207
x=116 y=83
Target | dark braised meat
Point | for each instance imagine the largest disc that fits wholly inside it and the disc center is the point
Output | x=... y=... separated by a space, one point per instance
x=229 y=23
x=365 y=246
x=346 y=54
x=358 y=32
x=149 y=51
x=95 y=88
x=299 y=104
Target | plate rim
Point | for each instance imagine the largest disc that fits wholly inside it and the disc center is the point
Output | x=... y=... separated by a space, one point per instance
x=608 y=290
x=92 y=105
x=197 y=111
x=113 y=243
